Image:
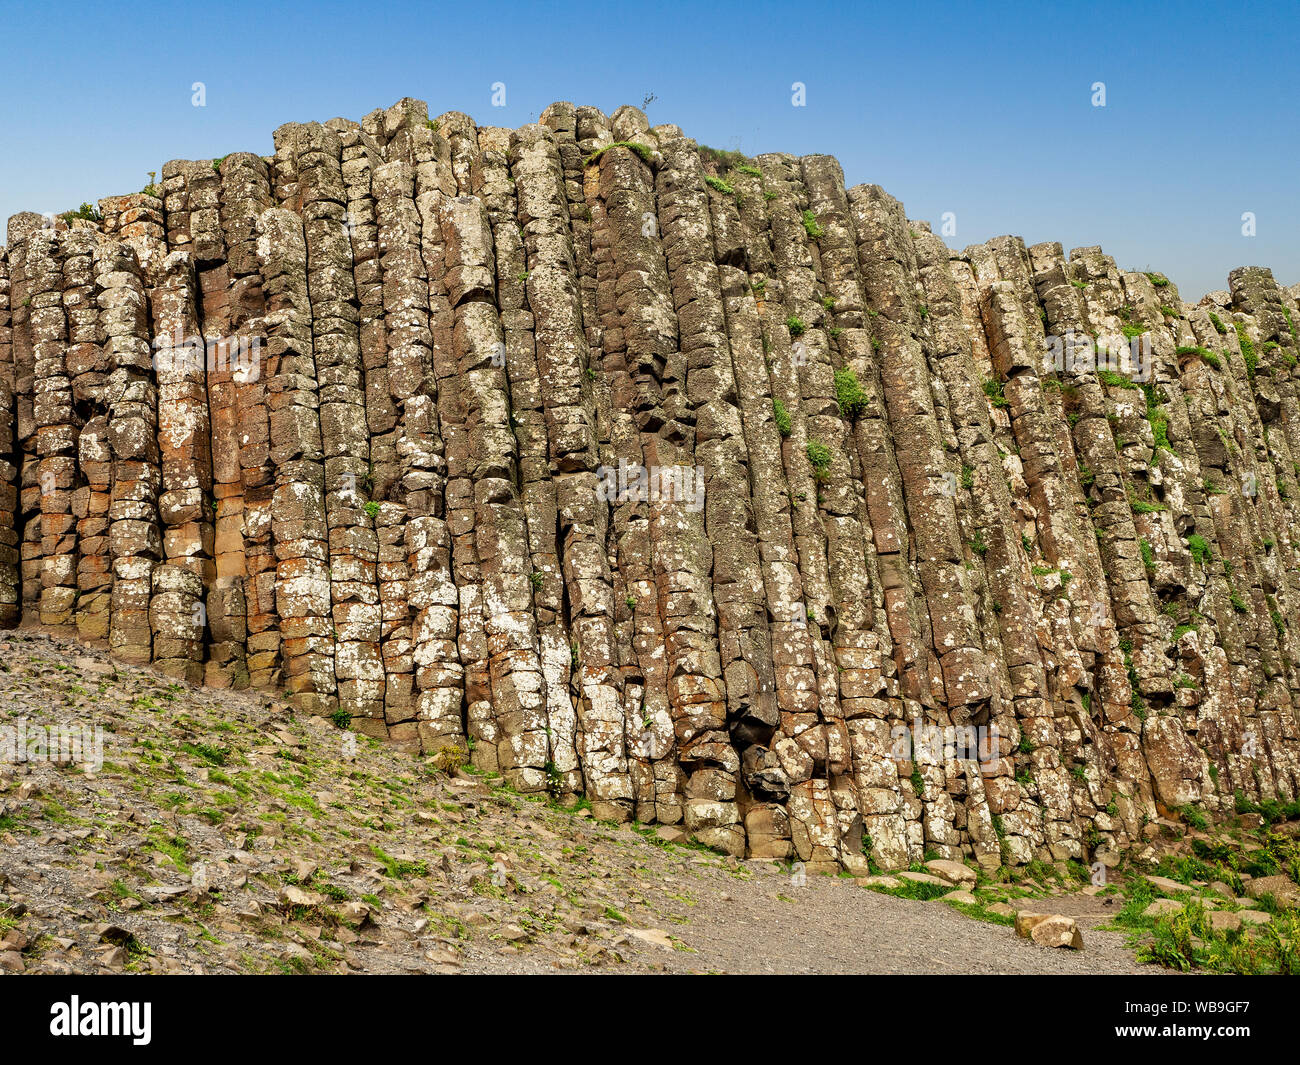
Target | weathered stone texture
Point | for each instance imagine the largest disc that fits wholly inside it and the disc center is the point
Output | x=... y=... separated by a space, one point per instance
x=700 y=486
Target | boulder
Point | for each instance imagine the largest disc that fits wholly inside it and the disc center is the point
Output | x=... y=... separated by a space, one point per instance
x=1049 y=929
x=953 y=872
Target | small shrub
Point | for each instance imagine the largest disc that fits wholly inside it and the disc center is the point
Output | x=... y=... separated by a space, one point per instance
x=86 y=211
x=820 y=457
x=644 y=151
x=1114 y=380
x=782 y=417
x=810 y=225
x=796 y=326
x=1247 y=351
x=849 y=394
x=993 y=389
x=1200 y=550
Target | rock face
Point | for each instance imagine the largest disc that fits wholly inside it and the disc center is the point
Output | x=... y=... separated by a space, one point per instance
x=701 y=486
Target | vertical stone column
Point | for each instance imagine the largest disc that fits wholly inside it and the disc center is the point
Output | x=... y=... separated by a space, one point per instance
x=353 y=536
x=87 y=369
x=178 y=611
x=298 y=525
x=53 y=422
x=135 y=537
x=449 y=646
x=563 y=358
x=10 y=582
x=721 y=452
x=681 y=553
x=537 y=492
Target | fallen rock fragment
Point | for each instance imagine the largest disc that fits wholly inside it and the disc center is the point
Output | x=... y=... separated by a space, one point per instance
x=1049 y=929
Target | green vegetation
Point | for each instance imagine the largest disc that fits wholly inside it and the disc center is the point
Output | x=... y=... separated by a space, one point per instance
x=1148 y=556
x=849 y=394
x=820 y=457
x=207 y=752
x=1217 y=322
x=724 y=159
x=782 y=417
x=993 y=389
x=1271 y=810
x=86 y=211
x=918 y=781
x=719 y=185
x=1186 y=940
x=1205 y=354
x=796 y=326
x=1247 y=351
x=811 y=226
x=1200 y=550
x=1157 y=418
x=1142 y=506
x=1159 y=280
x=1114 y=380
x=645 y=152
x=396 y=868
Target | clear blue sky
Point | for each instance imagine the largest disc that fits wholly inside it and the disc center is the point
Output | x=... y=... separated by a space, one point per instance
x=982 y=111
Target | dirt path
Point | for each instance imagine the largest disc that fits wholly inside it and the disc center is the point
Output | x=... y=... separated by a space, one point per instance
x=225 y=834
x=832 y=925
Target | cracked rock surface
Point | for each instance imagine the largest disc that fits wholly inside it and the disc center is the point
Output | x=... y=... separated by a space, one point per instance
x=699 y=487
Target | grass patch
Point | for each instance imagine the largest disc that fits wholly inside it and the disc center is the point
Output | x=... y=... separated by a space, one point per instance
x=993 y=389
x=782 y=418
x=644 y=151
x=819 y=455
x=849 y=393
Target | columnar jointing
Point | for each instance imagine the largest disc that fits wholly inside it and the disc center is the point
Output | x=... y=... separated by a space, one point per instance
x=697 y=485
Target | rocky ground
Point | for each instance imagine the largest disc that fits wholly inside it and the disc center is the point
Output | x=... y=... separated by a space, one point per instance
x=223 y=833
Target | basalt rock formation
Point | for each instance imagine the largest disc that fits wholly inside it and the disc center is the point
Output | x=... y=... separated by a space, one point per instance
x=697 y=485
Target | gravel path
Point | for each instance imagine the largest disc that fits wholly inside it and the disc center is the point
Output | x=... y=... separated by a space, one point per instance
x=833 y=925
x=397 y=868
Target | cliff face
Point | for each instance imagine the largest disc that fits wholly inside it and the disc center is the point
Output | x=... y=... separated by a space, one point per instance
x=699 y=486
